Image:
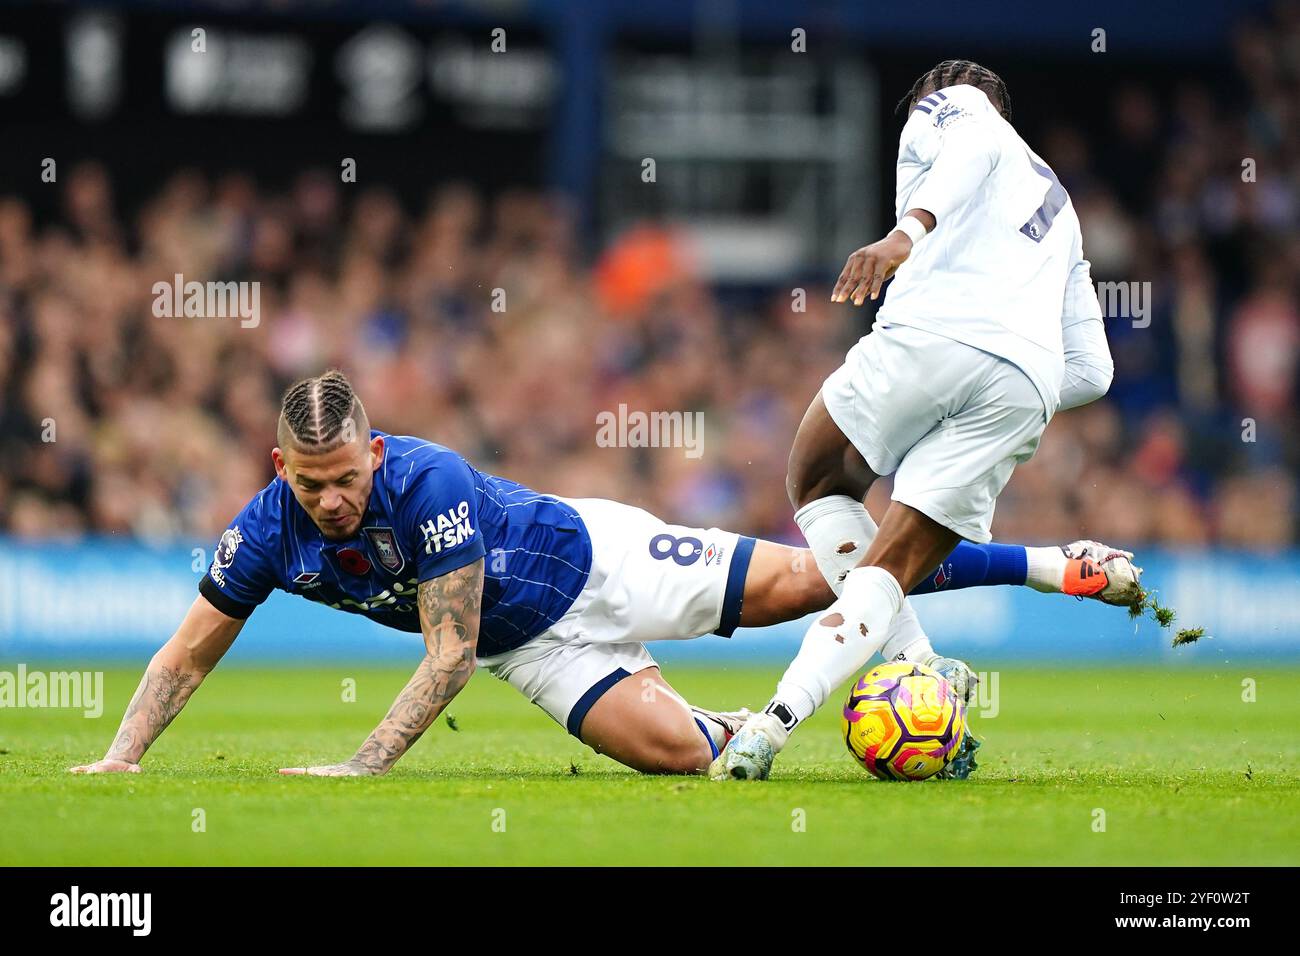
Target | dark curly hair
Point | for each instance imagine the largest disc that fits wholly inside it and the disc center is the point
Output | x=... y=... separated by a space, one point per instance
x=952 y=72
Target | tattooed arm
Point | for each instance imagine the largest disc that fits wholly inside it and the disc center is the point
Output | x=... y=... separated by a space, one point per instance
x=449 y=617
x=172 y=676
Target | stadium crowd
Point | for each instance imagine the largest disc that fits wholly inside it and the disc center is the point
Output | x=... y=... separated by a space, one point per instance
x=161 y=426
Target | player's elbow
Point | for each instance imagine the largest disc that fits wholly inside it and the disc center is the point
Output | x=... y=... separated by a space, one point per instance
x=459 y=664
x=1096 y=380
x=1085 y=384
x=181 y=656
x=1101 y=374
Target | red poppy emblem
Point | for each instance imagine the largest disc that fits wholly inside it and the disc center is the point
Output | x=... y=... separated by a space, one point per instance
x=353 y=561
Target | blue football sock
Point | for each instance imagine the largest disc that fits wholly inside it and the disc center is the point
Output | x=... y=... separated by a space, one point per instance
x=977 y=565
x=713 y=744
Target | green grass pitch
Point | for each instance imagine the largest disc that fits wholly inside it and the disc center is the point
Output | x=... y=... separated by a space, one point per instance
x=1185 y=771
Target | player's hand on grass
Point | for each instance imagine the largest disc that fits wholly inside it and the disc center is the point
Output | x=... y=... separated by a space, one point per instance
x=107 y=766
x=350 y=768
x=869 y=267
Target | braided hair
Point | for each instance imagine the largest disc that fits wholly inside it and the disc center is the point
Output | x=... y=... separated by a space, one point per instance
x=315 y=413
x=952 y=72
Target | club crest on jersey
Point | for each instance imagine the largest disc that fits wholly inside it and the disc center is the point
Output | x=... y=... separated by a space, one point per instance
x=230 y=541
x=383 y=543
x=449 y=529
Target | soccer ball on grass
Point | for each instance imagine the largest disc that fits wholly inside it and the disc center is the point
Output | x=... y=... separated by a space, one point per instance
x=903 y=721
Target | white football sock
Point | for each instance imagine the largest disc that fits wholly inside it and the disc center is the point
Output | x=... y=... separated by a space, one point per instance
x=842 y=639
x=907 y=641
x=1046 y=569
x=839 y=530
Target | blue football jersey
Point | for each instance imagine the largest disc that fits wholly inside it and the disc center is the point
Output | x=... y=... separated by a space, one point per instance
x=430 y=513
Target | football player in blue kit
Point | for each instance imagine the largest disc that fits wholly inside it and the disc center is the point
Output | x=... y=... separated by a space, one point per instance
x=556 y=596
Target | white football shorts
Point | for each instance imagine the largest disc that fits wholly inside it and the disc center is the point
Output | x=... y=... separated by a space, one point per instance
x=948 y=420
x=650 y=581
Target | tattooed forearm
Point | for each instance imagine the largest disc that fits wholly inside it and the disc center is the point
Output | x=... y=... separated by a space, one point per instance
x=449 y=609
x=449 y=614
x=159 y=698
x=436 y=681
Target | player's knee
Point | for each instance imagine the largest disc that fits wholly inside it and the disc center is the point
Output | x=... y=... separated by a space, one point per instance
x=806 y=482
x=812 y=593
x=800 y=586
x=792 y=486
x=801 y=489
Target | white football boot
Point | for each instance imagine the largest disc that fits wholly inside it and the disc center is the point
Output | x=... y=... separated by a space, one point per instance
x=749 y=754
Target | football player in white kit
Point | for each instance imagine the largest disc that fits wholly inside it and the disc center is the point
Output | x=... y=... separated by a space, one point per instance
x=990 y=326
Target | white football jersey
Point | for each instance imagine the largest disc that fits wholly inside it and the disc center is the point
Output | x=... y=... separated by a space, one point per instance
x=1004 y=265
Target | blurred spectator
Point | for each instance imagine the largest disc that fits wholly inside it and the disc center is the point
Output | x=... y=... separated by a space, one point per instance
x=116 y=421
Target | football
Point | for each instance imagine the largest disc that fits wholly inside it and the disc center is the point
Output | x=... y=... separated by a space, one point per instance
x=903 y=721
